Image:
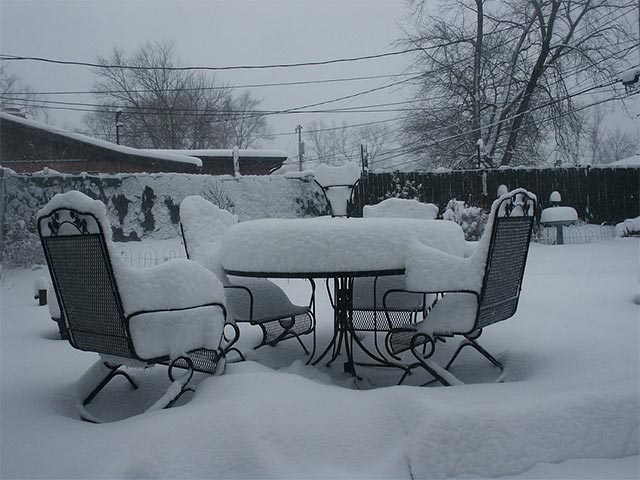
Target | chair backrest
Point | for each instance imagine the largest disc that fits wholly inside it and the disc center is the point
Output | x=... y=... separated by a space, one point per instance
x=78 y=259
x=513 y=215
x=401 y=208
x=203 y=224
x=337 y=184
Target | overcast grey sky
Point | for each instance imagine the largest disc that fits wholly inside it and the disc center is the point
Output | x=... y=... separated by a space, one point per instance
x=217 y=33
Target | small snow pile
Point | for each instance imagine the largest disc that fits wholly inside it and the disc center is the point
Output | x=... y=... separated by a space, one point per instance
x=630 y=227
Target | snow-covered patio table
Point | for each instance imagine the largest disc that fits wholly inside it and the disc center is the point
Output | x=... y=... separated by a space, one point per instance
x=338 y=248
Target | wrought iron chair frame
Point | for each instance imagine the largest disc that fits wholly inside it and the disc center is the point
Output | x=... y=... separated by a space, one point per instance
x=277 y=328
x=325 y=188
x=406 y=338
x=201 y=360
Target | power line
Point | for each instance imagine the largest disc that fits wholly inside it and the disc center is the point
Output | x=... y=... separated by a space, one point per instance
x=228 y=87
x=9 y=57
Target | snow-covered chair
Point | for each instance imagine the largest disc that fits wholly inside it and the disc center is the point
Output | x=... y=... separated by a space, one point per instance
x=402 y=307
x=401 y=208
x=478 y=290
x=256 y=301
x=171 y=314
x=337 y=184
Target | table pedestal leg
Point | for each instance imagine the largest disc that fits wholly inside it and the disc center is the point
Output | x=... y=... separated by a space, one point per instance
x=342 y=311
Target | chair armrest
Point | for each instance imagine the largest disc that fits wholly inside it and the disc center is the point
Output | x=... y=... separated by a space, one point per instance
x=236 y=304
x=431 y=270
x=176 y=284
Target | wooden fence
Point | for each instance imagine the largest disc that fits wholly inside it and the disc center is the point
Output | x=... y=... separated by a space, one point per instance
x=600 y=195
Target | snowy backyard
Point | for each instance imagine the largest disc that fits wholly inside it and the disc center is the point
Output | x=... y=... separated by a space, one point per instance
x=568 y=407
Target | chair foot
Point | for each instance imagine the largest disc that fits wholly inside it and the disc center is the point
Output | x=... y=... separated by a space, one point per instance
x=471 y=342
x=93 y=381
x=178 y=387
x=98 y=376
x=439 y=373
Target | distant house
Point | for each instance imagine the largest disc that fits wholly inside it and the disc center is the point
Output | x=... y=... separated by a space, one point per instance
x=220 y=161
x=27 y=146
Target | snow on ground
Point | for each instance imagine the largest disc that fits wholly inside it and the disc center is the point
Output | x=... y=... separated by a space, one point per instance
x=569 y=407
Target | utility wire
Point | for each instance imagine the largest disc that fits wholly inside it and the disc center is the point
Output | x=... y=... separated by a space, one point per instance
x=227 y=87
x=9 y=57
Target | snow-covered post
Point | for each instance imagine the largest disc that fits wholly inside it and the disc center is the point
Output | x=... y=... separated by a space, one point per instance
x=236 y=161
x=40 y=289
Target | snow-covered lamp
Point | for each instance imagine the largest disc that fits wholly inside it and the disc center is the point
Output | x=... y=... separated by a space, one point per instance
x=555 y=198
x=502 y=189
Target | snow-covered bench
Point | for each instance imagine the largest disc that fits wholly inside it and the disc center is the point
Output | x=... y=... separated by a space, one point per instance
x=172 y=314
x=479 y=290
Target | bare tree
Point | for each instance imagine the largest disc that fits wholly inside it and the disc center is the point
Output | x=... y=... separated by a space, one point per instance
x=506 y=72
x=246 y=126
x=620 y=144
x=18 y=96
x=337 y=144
x=164 y=107
x=598 y=140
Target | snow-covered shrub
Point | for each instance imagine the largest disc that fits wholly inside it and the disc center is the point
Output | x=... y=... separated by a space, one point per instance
x=407 y=190
x=471 y=219
x=630 y=227
x=21 y=245
x=217 y=194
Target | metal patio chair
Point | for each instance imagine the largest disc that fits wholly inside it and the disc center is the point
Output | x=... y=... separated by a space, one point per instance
x=160 y=315
x=402 y=307
x=256 y=301
x=338 y=184
x=477 y=291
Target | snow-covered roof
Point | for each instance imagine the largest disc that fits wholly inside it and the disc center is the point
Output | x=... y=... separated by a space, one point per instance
x=633 y=161
x=159 y=155
x=224 y=152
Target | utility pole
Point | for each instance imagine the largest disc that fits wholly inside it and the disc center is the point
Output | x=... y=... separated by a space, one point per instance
x=118 y=125
x=300 y=147
x=364 y=159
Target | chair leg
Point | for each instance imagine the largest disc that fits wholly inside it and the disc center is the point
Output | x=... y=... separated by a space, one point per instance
x=470 y=341
x=92 y=383
x=178 y=385
x=102 y=372
x=436 y=371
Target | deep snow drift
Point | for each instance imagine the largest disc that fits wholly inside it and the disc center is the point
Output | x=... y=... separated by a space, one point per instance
x=571 y=396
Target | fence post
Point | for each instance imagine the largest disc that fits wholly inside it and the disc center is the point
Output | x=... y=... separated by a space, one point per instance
x=3 y=202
